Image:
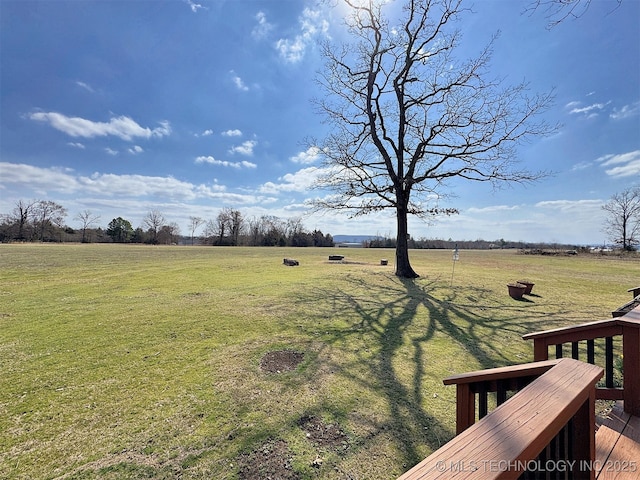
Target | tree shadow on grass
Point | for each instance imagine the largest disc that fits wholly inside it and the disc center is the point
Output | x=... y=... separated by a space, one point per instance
x=389 y=318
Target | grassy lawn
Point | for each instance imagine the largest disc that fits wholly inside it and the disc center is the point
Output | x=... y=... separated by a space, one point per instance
x=144 y=362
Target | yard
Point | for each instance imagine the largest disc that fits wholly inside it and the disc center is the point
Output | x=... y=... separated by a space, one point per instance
x=122 y=361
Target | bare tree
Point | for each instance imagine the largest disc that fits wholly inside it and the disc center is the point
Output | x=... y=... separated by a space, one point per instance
x=153 y=221
x=408 y=116
x=46 y=215
x=236 y=223
x=623 y=220
x=267 y=230
x=227 y=226
x=194 y=223
x=21 y=214
x=168 y=234
x=223 y=221
x=210 y=230
x=87 y=218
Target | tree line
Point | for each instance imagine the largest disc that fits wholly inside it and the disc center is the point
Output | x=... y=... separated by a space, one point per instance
x=45 y=221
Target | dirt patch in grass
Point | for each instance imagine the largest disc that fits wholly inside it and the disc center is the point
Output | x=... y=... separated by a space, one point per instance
x=324 y=434
x=281 y=361
x=272 y=460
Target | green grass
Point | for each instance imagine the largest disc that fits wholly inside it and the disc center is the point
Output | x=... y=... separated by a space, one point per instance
x=143 y=362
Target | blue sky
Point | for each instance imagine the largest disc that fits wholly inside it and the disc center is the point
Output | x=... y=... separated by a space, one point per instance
x=187 y=107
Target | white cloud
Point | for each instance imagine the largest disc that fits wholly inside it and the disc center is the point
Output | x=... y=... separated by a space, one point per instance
x=309 y=156
x=624 y=164
x=76 y=145
x=135 y=185
x=122 y=127
x=194 y=6
x=567 y=221
x=570 y=205
x=38 y=179
x=580 y=166
x=245 y=149
x=232 y=133
x=263 y=27
x=136 y=150
x=86 y=86
x=223 y=163
x=589 y=111
x=300 y=181
x=237 y=81
x=493 y=209
x=626 y=111
x=45 y=181
x=312 y=25
x=111 y=151
x=206 y=133
x=292 y=51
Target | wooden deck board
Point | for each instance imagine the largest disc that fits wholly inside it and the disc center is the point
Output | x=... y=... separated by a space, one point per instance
x=618 y=446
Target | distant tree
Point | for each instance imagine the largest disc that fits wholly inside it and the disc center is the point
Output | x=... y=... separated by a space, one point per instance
x=321 y=240
x=20 y=216
x=273 y=231
x=295 y=233
x=267 y=231
x=153 y=221
x=138 y=236
x=120 y=230
x=254 y=231
x=408 y=116
x=226 y=228
x=194 y=223
x=210 y=231
x=87 y=219
x=236 y=225
x=223 y=225
x=168 y=234
x=46 y=216
x=174 y=231
x=623 y=219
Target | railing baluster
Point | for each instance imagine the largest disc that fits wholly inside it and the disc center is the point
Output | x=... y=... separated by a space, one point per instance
x=591 y=352
x=608 y=369
x=482 y=400
x=575 y=354
x=501 y=392
x=570 y=433
x=559 y=350
x=565 y=452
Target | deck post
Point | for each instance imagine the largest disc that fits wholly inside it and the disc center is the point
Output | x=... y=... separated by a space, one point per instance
x=631 y=367
x=465 y=407
x=540 y=349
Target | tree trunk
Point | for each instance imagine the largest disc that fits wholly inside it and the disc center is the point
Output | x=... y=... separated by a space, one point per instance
x=403 y=266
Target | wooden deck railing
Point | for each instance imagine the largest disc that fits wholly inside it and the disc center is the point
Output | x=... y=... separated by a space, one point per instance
x=626 y=327
x=475 y=390
x=547 y=426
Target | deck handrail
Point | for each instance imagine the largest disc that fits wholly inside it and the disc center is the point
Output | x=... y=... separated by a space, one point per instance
x=626 y=326
x=507 y=442
x=479 y=384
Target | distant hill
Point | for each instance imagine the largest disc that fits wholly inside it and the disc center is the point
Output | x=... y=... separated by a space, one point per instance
x=353 y=238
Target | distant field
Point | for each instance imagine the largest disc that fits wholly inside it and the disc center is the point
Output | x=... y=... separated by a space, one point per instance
x=122 y=361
